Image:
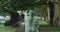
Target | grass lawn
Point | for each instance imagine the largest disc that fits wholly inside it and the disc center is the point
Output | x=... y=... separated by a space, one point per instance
x=6 y=28
x=48 y=28
x=42 y=22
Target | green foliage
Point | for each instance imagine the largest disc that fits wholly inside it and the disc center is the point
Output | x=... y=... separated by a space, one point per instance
x=14 y=5
x=11 y=5
x=42 y=9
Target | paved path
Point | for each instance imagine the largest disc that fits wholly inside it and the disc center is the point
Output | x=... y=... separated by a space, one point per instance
x=20 y=29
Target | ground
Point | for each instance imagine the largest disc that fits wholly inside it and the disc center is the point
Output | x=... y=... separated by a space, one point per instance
x=44 y=27
x=6 y=28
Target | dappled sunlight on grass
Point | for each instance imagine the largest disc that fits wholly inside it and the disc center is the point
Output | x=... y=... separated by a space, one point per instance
x=42 y=22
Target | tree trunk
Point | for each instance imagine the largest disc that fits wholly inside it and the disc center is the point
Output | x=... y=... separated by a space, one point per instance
x=51 y=7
